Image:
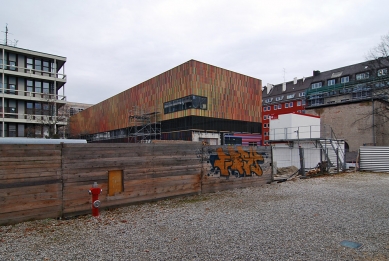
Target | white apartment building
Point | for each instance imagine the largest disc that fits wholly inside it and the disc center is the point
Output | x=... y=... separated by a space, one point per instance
x=30 y=87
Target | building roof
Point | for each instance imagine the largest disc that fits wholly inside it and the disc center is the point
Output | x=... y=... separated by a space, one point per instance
x=303 y=84
x=31 y=52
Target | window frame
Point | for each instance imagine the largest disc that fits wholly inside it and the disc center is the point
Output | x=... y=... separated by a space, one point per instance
x=365 y=75
x=342 y=79
x=316 y=85
x=331 y=82
x=382 y=72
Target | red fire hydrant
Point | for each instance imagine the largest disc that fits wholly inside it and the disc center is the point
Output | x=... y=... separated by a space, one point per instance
x=95 y=191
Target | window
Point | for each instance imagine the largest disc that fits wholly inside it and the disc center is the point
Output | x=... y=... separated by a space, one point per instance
x=266 y=133
x=38 y=87
x=265 y=117
x=290 y=104
x=46 y=66
x=279 y=106
x=268 y=108
x=316 y=85
x=298 y=103
x=264 y=108
x=302 y=94
x=303 y=102
x=268 y=100
x=382 y=72
x=345 y=90
x=290 y=96
x=11 y=61
x=331 y=82
x=11 y=89
x=38 y=65
x=275 y=107
x=345 y=79
x=280 y=98
x=286 y=105
x=29 y=87
x=361 y=76
x=29 y=64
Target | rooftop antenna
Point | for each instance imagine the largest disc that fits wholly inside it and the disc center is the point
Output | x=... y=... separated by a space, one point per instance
x=15 y=42
x=6 y=34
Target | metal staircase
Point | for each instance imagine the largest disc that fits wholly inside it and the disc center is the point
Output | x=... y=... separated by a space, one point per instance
x=334 y=151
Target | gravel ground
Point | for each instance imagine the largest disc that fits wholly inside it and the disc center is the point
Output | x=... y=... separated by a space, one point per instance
x=294 y=220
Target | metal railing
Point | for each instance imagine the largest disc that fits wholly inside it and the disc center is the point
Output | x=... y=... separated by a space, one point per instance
x=31 y=71
x=295 y=133
x=40 y=95
x=33 y=118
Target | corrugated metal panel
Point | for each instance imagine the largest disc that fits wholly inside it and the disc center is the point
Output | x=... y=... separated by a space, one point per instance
x=374 y=158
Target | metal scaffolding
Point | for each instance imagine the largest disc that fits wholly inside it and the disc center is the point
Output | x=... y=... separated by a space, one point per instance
x=143 y=126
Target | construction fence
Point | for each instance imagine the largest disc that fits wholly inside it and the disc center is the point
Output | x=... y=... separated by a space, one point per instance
x=51 y=181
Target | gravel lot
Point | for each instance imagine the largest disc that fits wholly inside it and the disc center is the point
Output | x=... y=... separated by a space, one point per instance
x=294 y=220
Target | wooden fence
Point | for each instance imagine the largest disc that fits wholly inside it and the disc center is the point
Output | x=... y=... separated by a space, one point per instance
x=50 y=181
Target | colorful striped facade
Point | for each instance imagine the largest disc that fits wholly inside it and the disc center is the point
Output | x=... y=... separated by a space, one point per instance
x=233 y=103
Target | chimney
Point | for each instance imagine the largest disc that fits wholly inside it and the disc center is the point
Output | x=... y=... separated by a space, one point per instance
x=316 y=73
x=269 y=87
x=284 y=86
x=295 y=80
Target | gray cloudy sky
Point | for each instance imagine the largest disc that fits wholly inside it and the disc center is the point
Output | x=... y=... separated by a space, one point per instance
x=113 y=45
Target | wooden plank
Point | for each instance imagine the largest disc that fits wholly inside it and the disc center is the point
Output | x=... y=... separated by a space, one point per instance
x=86 y=207
x=16 y=199
x=30 y=214
x=22 y=158
x=29 y=183
x=23 y=174
x=36 y=180
x=31 y=170
x=30 y=190
x=114 y=163
x=14 y=152
x=23 y=205
x=29 y=165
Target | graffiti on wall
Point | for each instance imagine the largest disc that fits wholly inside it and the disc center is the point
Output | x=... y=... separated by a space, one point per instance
x=238 y=163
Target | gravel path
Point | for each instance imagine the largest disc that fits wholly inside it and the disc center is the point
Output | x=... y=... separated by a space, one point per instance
x=295 y=220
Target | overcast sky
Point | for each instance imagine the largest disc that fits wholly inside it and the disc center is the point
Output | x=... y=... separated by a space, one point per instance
x=112 y=46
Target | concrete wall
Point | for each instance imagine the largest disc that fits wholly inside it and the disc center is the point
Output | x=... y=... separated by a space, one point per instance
x=353 y=123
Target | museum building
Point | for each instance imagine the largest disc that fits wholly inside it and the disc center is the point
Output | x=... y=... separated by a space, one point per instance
x=194 y=101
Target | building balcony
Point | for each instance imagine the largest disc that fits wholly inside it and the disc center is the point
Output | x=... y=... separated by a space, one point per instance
x=19 y=71
x=32 y=96
x=32 y=116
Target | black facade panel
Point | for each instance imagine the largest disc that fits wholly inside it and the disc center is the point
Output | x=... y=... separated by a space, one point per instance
x=207 y=123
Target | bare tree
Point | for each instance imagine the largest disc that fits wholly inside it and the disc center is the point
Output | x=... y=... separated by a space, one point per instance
x=378 y=86
x=53 y=116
